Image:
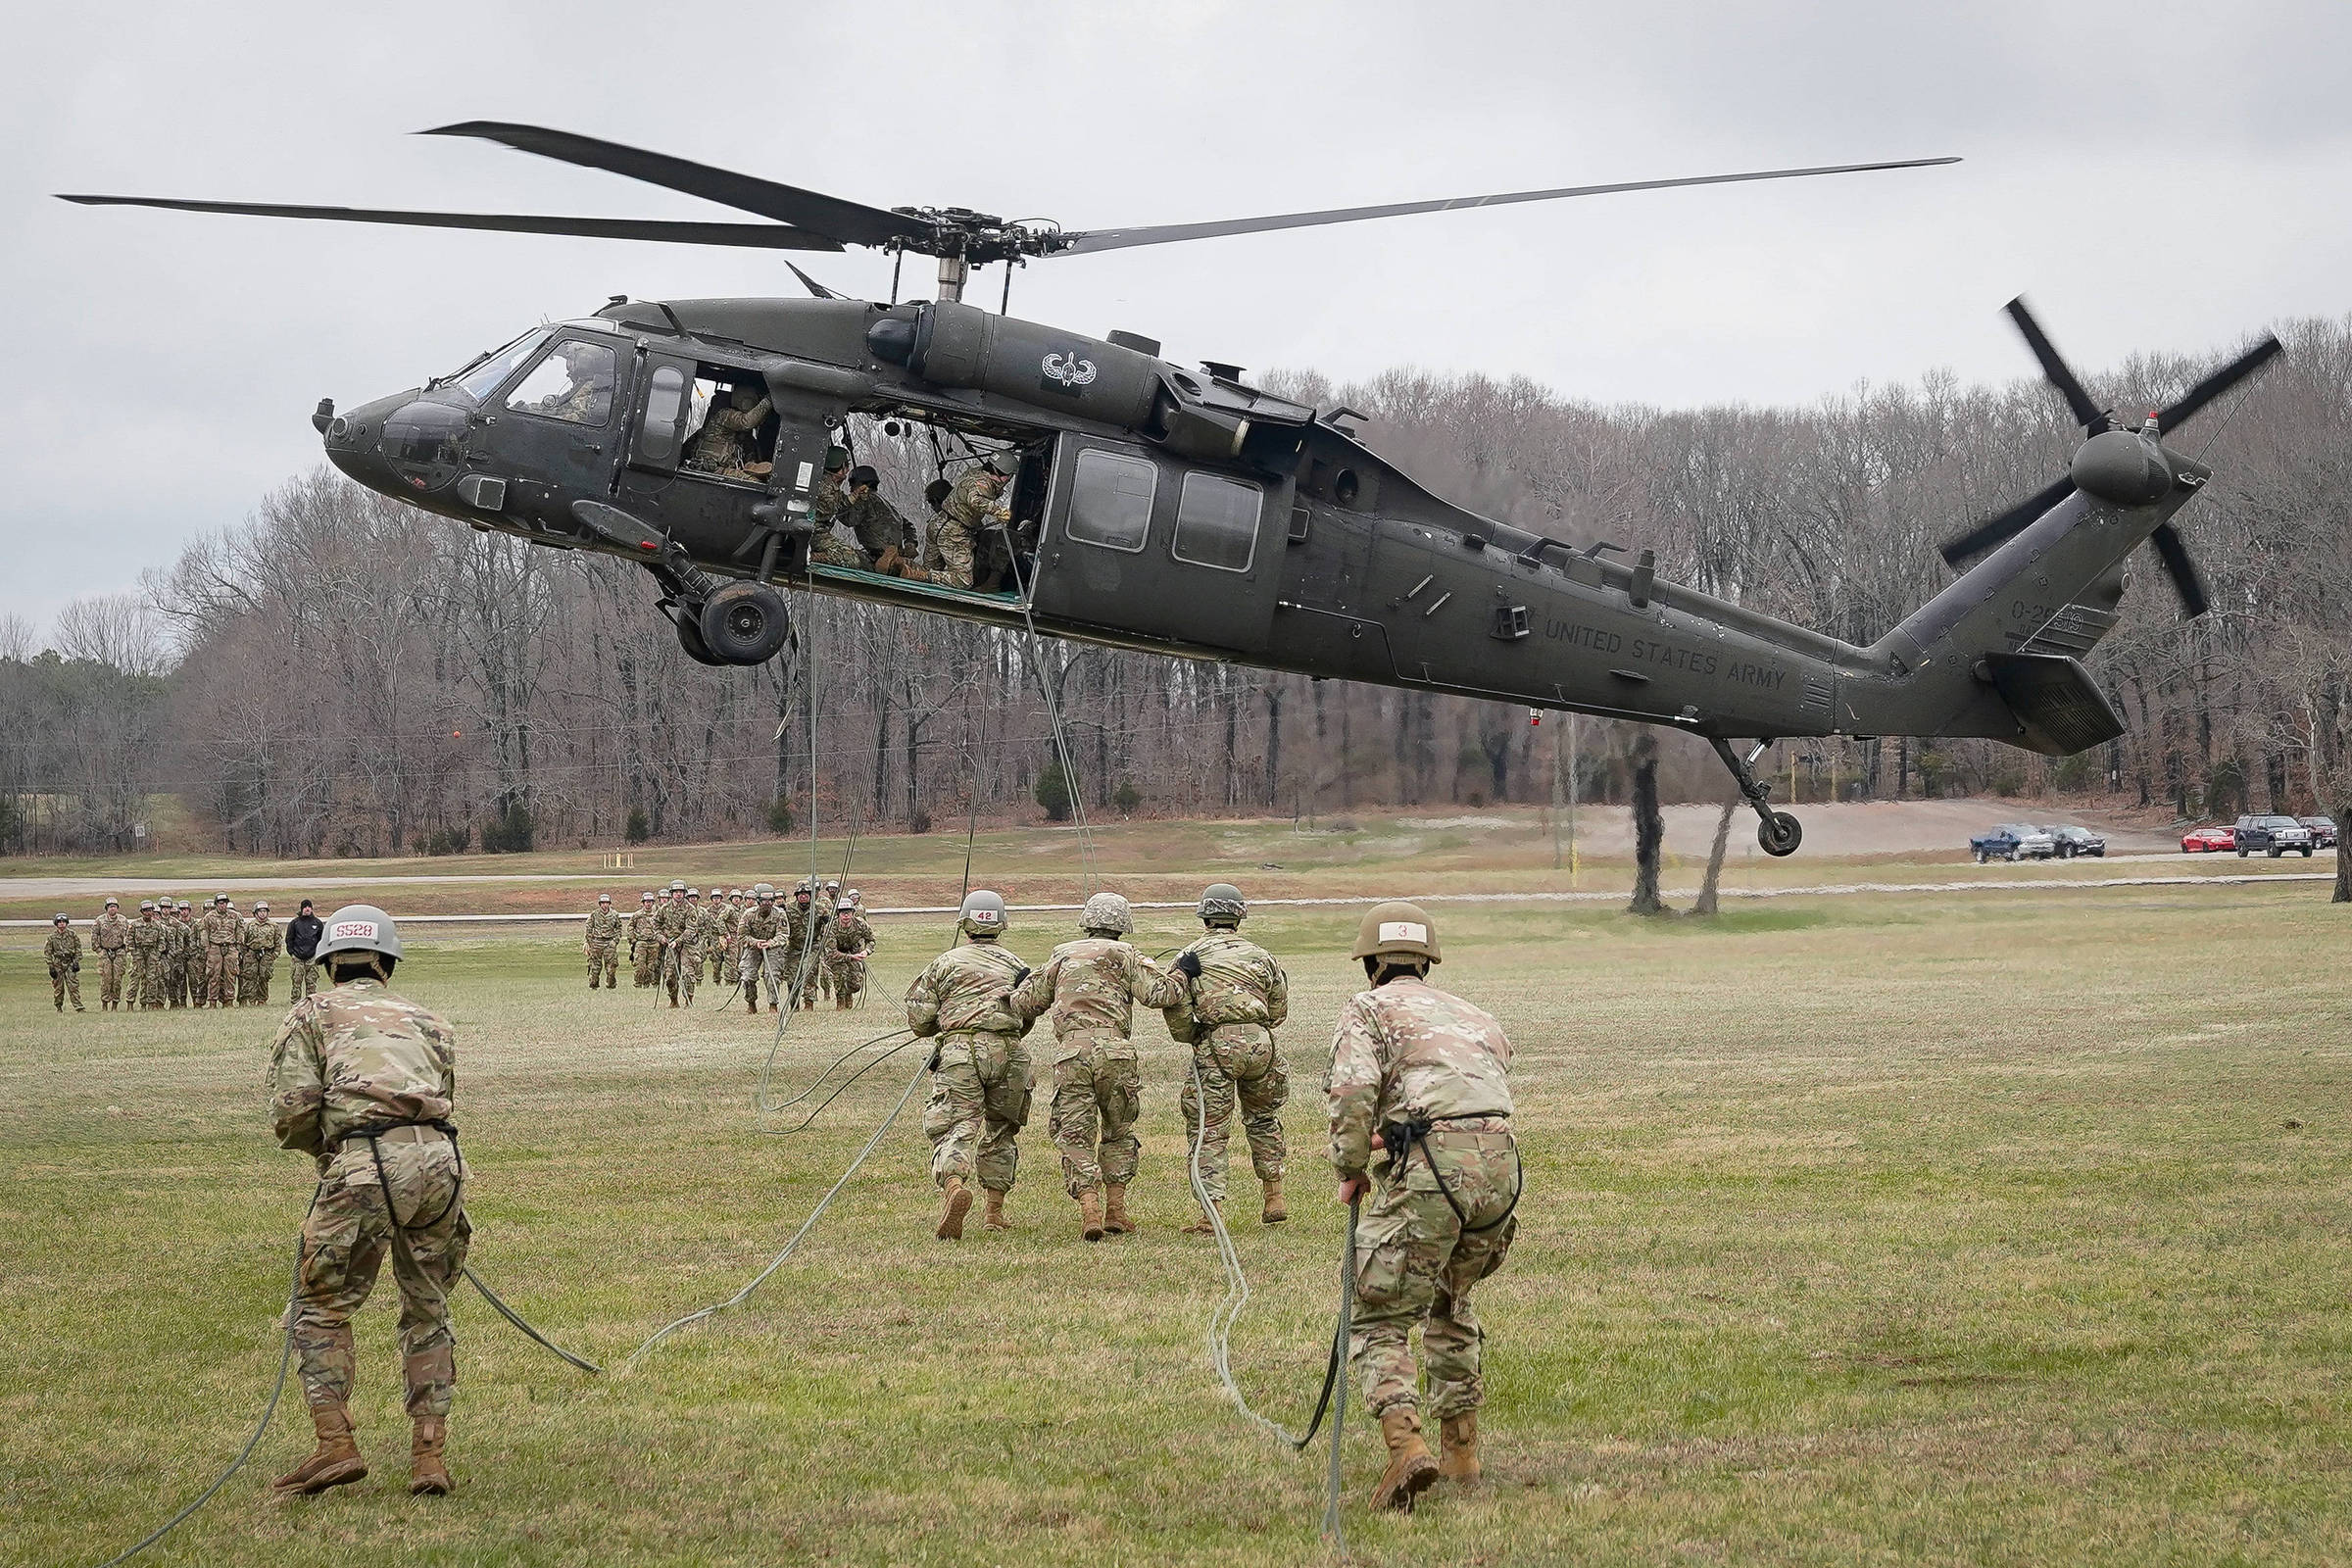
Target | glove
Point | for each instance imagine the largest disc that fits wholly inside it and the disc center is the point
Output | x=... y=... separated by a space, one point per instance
x=934 y=1067
x=1019 y=975
x=1188 y=965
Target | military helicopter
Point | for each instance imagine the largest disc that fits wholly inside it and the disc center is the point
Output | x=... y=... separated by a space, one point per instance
x=1178 y=510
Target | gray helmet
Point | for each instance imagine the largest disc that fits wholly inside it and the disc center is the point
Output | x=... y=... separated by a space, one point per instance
x=983 y=915
x=1005 y=463
x=113 y=902
x=647 y=896
x=766 y=892
x=1106 y=912
x=185 y=904
x=677 y=886
x=61 y=919
x=147 y=904
x=260 y=904
x=359 y=928
x=1222 y=901
x=604 y=898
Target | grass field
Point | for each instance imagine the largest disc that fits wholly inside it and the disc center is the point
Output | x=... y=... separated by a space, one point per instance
x=1865 y=1230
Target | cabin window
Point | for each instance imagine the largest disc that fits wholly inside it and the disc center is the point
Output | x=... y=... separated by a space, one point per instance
x=658 y=441
x=482 y=378
x=574 y=383
x=1216 y=521
x=1110 y=499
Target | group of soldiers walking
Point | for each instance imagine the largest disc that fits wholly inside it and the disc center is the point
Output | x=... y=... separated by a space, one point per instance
x=171 y=956
x=816 y=940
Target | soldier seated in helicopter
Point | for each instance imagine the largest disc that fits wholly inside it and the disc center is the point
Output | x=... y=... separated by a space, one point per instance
x=585 y=396
x=728 y=443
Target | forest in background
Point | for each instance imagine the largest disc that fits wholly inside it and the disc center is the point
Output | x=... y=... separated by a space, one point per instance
x=341 y=674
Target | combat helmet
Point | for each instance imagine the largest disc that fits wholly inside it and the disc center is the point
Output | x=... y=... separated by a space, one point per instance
x=61 y=919
x=1396 y=929
x=865 y=474
x=1005 y=463
x=359 y=928
x=983 y=915
x=1222 y=903
x=764 y=892
x=1106 y=912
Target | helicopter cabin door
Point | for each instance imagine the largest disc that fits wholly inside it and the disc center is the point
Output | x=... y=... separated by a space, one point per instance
x=1141 y=541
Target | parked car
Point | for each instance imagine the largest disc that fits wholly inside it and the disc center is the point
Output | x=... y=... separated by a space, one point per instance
x=2074 y=841
x=2273 y=835
x=2322 y=831
x=2208 y=840
x=2014 y=841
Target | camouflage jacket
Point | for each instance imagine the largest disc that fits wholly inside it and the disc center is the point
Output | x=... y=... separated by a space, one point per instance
x=826 y=501
x=967 y=987
x=850 y=933
x=1092 y=985
x=969 y=506
x=877 y=524
x=112 y=934
x=259 y=935
x=761 y=925
x=1239 y=983
x=1410 y=1050
x=358 y=1056
x=219 y=928
x=63 y=947
x=603 y=926
x=719 y=443
x=149 y=938
x=674 y=923
x=186 y=939
x=803 y=926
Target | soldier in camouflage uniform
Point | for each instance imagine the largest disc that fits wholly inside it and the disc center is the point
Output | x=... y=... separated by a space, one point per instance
x=1092 y=985
x=602 y=940
x=980 y=1084
x=111 y=936
x=674 y=930
x=219 y=930
x=1419 y=1080
x=364 y=1082
x=261 y=936
x=759 y=942
x=847 y=954
x=147 y=939
x=826 y=501
x=303 y=934
x=970 y=509
x=805 y=926
x=588 y=399
x=723 y=445
x=1234 y=997
x=729 y=917
x=183 y=967
x=63 y=953
x=644 y=945
x=883 y=536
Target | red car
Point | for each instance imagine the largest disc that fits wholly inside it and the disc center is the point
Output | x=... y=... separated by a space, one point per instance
x=2199 y=839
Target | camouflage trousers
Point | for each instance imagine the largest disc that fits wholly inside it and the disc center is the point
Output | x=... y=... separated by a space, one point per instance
x=1237 y=1061
x=221 y=974
x=829 y=549
x=720 y=966
x=343 y=1245
x=110 y=976
x=301 y=978
x=604 y=963
x=949 y=554
x=180 y=980
x=645 y=964
x=847 y=974
x=979 y=1103
x=757 y=964
x=256 y=972
x=681 y=967
x=1097 y=1097
x=65 y=979
x=1415 y=1262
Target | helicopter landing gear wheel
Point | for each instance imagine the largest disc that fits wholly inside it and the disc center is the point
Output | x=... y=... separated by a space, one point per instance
x=1776 y=832
x=690 y=638
x=745 y=623
x=1779 y=834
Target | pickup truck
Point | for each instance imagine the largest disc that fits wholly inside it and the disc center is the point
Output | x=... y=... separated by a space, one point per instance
x=2322 y=831
x=2014 y=841
x=2273 y=835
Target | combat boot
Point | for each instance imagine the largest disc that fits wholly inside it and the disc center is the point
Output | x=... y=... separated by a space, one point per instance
x=1410 y=1469
x=1206 y=1226
x=1457 y=1448
x=335 y=1462
x=887 y=562
x=956 y=1201
x=1276 y=1211
x=994 y=1218
x=750 y=1002
x=1090 y=1215
x=429 y=1477
x=1114 y=1209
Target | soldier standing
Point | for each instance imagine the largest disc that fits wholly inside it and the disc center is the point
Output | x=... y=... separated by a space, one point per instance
x=1092 y=985
x=62 y=952
x=604 y=943
x=729 y=918
x=183 y=965
x=672 y=927
x=964 y=517
x=1419 y=1078
x=853 y=944
x=1234 y=997
x=800 y=954
x=147 y=940
x=980 y=1083
x=761 y=948
x=302 y=951
x=261 y=936
x=364 y=1082
x=644 y=945
x=219 y=928
x=111 y=936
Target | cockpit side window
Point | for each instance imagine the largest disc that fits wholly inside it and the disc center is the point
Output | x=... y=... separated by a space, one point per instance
x=574 y=383
x=482 y=378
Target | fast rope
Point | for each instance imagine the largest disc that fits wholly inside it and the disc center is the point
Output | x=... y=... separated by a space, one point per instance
x=1334 y=1397
x=1060 y=731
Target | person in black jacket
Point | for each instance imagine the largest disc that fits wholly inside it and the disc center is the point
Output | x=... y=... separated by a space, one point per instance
x=302 y=946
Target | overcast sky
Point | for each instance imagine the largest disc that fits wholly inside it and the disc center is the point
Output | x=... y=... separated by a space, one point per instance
x=2156 y=176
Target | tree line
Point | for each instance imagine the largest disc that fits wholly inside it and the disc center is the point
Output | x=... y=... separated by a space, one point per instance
x=341 y=674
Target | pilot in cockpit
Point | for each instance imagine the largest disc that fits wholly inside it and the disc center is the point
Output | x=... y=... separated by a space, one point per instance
x=587 y=397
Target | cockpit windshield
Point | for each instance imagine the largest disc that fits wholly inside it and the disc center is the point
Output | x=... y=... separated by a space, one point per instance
x=482 y=378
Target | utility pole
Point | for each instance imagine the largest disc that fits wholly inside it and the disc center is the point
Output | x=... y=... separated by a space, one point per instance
x=1571 y=798
x=1555 y=799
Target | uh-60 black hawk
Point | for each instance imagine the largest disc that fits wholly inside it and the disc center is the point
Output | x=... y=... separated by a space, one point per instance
x=1160 y=506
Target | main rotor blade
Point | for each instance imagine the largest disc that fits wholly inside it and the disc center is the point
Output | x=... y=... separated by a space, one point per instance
x=2219 y=382
x=2088 y=414
x=852 y=223
x=1998 y=530
x=757 y=236
x=1107 y=239
x=2175 y=554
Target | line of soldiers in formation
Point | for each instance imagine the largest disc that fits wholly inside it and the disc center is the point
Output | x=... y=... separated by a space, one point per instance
x=741 y=933
x=364 y=1083
x=171 y=956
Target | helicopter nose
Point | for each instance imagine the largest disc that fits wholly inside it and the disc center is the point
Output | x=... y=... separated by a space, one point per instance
x=354 y=441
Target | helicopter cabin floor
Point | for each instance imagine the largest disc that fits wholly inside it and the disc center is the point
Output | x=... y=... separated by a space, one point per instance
x=907 y=585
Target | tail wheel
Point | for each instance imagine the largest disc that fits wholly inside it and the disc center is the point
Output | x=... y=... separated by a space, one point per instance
x=1779 y=834
x=745 y=623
